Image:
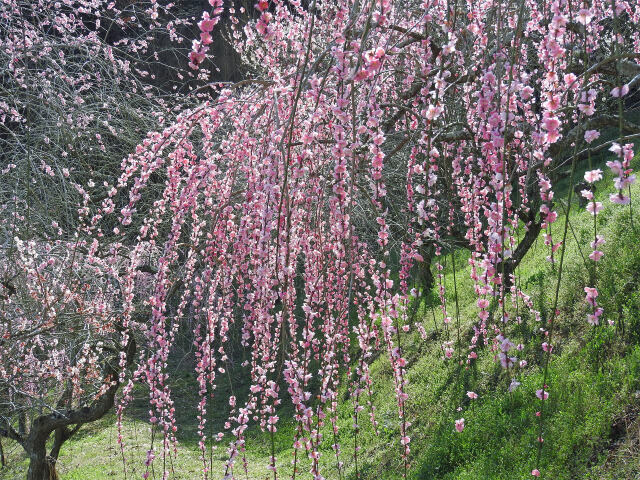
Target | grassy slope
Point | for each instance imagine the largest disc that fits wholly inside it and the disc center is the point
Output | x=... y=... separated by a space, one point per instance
x=594 y=377
x=591 y=426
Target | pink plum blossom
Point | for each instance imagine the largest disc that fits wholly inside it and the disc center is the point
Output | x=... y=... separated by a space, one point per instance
x=591 y=135
x=593 y=175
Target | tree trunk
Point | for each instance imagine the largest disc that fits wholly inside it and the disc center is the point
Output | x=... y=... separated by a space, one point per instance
x=41 y=467
x=510 y=265
x=22 y=423
x=2 y=459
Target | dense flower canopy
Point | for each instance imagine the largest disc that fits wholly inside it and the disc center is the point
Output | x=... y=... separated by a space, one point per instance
x=474 y=106
x=368 y=137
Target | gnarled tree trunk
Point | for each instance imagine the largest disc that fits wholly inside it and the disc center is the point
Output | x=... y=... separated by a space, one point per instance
x=41 y=466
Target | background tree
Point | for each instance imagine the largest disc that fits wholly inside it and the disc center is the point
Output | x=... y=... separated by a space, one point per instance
x=64 y=346
x=79 y=88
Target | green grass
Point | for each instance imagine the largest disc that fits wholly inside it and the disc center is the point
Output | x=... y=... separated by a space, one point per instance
x=591 y=426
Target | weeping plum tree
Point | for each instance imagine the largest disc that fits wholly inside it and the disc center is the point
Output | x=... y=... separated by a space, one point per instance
x=367 y=128
x=368 y=139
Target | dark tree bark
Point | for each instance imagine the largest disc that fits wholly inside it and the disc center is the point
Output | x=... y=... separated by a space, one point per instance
x=521 y=250
x=41 y=467
x=3 y=461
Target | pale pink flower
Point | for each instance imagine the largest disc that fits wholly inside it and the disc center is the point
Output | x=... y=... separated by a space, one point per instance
x=598 y=241
x=570 y=80
x=460 y=425
x=616 y=148
x=591 y=291
x=482 y=303
x=591 y=296
x=588 y=194
x=615 y=166
x=620 y=199
x=594 y=207
x=623 y=182
x=526 y=92
x=620 y=91
x=584 y=17
x=593 y=175
x=507 y=361
x=207 y=23
x=587 y=108
x=433 y=112
x=506 y=345
x=596 y=255
x=551 y=123
x=591 y=135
